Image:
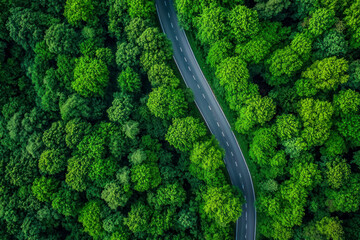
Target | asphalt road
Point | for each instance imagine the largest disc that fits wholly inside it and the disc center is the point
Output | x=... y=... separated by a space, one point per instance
x=213 y=115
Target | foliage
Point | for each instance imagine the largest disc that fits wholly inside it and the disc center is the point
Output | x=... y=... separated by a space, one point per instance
x=91 y=76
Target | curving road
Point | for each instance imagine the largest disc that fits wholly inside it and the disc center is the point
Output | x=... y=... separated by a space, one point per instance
x=213 y=115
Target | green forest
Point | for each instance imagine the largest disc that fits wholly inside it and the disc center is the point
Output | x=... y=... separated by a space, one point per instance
x=99 y=136
x=289 y=71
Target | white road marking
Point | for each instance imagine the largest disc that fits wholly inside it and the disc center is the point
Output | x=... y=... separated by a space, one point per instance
x=245 y=205
x=165 y=3
x=198 y=86
x=245 y=235
x=218 y=124
x=227 y=144
x=223 y=134
x=194 y=77
x=246 y=226
x=203 y=96
x=209 y=107
x=236 y=164
x=176 y=38
x=189 y=68
x=185 y=59
x=180 y=49
x=169 y=15
x=245 y=197
x=232 y=154
x=242 y=185
x=246 y=216
x=172 y=25
x=240 y=175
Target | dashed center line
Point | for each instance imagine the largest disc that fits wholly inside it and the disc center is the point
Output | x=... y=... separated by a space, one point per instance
x=240 y=175
x=185 y=59
x=232 y=154
x=222 y=133
x=181 y=50
x=236 y=164
x=218 y=124
x=165 y=3
x=172 y=25
x=245 y=197
x=242 y=185
x=189 y=68
x=209 y=107
x=198 y=86
x=227 y=144
x=245 y=205
x=246 y=215
x=246 y=226
x=176 y=38
x=169 y=15
x=194 y=77
x=203 y=96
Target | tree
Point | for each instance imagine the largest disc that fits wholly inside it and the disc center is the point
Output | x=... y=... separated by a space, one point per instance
x=54 y=137
x=77 y=170
x=354 y=75
x=184 y=132
x=75 y=106
x=145 y=176
x=345 y=199
x=349 y=127
x=127 y=55
x=244 y=23
x=27 y=27
x=219 y=51
x=135 y=28
x=129 y=81
x=90 y=217
x=43 y=188
x=316 y=117
x=162 y=75
x=172 y=195
x=61 y=39
x=301 y=44
x=66 y=202
x=91 y=76
x=254 y=51
x=222 y=204
x=76 y=129
x=338 y=172
x=167 y=102
x=321 y=20
x=141 y=8
x=288 y=126
x=138 y=217
x=334 y=146
x=131 y=129
x=347 y=102
x=52 y=161
x=137 y=157
x=233 y=75
x=283 y=65
x=333 y=44
x=121 y=108
x=207 y=155
x=211 y=24
x=77 y=11
x=331 y=228
x=155 y=46
x=102 y=169
x=257 y=110
x=352 y=21
x=271 y=9
x=115 y=195
x=327 y=74
x=263 y=146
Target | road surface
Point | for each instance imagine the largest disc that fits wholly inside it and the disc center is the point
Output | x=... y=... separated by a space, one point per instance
x=213 y=115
